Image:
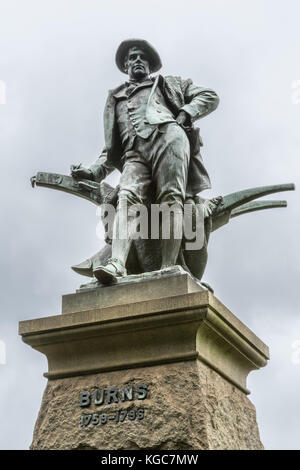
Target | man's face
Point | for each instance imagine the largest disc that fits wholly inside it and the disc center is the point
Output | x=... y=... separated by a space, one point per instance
x=137 y=65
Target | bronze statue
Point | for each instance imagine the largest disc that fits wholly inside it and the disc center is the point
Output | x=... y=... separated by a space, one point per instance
x=150 y=138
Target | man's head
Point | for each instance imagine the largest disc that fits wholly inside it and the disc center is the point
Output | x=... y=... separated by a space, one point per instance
x=137 y=58
x=136 y=63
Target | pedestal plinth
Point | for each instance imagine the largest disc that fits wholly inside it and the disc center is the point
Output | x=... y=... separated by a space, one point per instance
x=166 y=372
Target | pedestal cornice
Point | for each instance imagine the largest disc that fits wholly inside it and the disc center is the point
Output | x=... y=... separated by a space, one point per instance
x=186 y=327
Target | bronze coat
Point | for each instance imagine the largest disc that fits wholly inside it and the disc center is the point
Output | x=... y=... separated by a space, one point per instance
x=179 y=95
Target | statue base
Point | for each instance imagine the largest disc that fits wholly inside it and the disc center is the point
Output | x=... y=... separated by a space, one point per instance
x=164 y=373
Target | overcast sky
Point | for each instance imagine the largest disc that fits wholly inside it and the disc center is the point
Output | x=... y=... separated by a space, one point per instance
x=57 y=63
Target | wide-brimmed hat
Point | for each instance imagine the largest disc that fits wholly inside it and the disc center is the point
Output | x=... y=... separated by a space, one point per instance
x=152 y=54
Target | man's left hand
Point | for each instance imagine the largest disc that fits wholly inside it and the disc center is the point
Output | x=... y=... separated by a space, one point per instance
x=182 y=119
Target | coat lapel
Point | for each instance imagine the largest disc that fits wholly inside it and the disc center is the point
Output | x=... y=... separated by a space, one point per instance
x=110 y=117
x=153 y=88
x=158 y=82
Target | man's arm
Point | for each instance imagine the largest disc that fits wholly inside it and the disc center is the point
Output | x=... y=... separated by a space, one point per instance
x=199 y=101
x=98 y=171
x=101 y=169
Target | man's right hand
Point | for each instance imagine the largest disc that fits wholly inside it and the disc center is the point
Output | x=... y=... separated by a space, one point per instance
x=78 y=171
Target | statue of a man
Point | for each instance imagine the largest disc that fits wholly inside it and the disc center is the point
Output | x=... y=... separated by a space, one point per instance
x=150 y=139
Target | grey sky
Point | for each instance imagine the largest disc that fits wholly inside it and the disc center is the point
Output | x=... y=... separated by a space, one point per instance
x=57 y=61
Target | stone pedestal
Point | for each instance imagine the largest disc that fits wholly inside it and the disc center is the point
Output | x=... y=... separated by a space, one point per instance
x=158 y=364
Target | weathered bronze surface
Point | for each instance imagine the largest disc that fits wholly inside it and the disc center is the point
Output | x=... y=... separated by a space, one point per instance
x=141 y=257
x=151 y=139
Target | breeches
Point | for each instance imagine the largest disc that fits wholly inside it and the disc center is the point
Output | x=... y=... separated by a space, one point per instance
x=156 y=169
